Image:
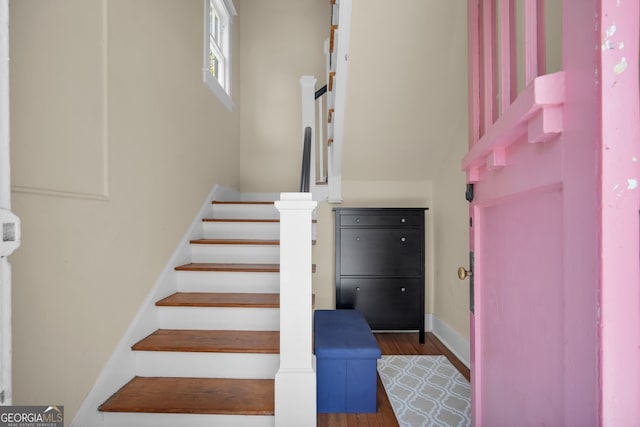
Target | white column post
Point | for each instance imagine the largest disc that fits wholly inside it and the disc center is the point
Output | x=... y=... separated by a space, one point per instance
x=295 y=383
x=5 y=206
x=5 y=171
x=308 y=88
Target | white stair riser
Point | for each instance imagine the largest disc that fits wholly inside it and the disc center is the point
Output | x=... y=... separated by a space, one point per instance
x=206 y=365
x=245 y=211
x=127 y=419
x=256 y=254
x=228 y=281
x=241 y=230
x=219 y=318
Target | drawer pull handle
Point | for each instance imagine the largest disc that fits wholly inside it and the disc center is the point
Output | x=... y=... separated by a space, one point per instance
x=403 y=289
x=402 y=220
x=358 y=289
x=358 y=220
x=357 y=238
x=403 y=239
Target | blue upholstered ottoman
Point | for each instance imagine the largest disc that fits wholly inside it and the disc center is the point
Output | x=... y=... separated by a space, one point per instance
x=346 y=362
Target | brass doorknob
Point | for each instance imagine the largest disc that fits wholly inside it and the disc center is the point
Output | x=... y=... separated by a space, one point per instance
x=463 y=273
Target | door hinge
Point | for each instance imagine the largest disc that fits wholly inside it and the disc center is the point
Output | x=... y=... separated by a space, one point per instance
x=469 y=193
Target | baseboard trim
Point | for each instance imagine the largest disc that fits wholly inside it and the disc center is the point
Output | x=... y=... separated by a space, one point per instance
x=455 y=342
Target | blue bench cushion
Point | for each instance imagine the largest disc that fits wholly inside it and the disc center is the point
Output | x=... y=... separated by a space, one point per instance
x=343 y=334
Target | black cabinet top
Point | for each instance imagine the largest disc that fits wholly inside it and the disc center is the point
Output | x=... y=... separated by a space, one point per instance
x=379 y=217
x=374 y=211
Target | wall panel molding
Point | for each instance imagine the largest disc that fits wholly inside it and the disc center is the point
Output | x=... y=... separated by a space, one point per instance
x=92 y=175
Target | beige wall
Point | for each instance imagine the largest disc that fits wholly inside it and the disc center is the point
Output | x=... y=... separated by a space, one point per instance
x=553 y=38
x=403 y=66
x=451 y=238
x=451 y=210
x=405 y=135
x=282 y=40
x=406 y=112
x=115 y=144
x=116 y=141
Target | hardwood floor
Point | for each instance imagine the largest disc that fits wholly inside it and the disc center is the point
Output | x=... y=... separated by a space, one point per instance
x=392 y=343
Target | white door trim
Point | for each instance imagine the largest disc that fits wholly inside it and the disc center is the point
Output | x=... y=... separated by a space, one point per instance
x=6 y=392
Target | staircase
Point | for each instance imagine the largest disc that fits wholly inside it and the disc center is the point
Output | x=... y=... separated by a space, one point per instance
x=326 y=119
x=214 y=356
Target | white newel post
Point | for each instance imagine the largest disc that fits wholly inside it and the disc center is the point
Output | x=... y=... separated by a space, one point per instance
x=295 y=383
x=9 y=222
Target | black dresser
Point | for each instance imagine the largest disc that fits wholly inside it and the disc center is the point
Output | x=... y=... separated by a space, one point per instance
x=380 y=262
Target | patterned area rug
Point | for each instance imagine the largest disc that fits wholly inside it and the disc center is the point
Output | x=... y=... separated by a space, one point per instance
x=426 y=391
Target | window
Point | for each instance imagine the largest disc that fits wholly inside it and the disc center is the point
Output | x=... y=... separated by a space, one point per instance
x=217 y=59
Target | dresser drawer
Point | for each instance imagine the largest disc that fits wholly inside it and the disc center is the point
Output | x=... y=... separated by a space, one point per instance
x=380 y=252
x=393 y=219
x=385 y=303
x=380 y=265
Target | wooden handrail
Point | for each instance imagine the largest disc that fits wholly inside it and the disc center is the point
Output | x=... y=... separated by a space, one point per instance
x=305 y=177
x=321 y=91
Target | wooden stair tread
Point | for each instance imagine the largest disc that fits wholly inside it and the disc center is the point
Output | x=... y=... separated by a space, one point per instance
x=211 y=341
x=233 y=267
x=256 y=242
x=209 y=299
x=194 y=396
x=241 y=202
x=244 y=220
x=212 y=266
x=235 y=242
x=238 y=220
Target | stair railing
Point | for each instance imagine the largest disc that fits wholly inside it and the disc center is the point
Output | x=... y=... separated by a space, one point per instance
x=316 y=154
x=295 y=382
x=325 y=114
x=306 y=161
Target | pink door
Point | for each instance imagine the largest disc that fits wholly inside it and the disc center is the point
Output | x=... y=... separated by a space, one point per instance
x=554 y=170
